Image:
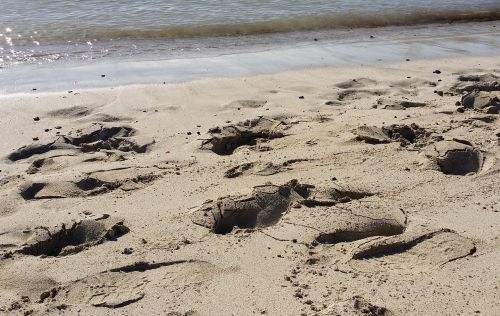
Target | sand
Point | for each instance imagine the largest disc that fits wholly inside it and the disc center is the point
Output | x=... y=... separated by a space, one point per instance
x=329 y=191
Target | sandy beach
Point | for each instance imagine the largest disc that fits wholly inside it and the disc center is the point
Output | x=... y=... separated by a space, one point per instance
x=365 y=190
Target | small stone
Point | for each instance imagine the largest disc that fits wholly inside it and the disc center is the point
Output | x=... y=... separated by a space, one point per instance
x=460 y=109
x=436 y=72
x=127 y=251
x=301 y=97
x=36 y=119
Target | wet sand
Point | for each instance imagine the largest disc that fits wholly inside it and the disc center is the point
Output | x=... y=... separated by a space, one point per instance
x=367 y=190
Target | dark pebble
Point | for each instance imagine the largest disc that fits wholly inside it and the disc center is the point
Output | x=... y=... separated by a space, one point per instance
x=102 y=76
x=458 y=103
x=301 y=97
x=371 y=36
x=189 y=133
x=436 y=72
x=36 y=119
x=407 y=59
x=460 y=109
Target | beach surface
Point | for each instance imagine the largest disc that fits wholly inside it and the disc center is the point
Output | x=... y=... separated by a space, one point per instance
x=363 y=190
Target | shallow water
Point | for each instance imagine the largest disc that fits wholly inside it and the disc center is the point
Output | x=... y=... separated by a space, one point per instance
x=34 y=31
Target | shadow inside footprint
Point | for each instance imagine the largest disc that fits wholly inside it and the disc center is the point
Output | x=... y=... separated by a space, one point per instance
x=65 y=240
x=94 y=138
x=266 y=205
x=224 y=141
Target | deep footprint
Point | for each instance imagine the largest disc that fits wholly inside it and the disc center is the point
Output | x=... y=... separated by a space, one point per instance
x=405 y=134
x=266 y=205
x=224 y=141
x=69 y=239
x=456 y=158
x=94 y=138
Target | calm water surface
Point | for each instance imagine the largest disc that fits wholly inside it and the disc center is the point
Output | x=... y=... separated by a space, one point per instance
x=40 y=31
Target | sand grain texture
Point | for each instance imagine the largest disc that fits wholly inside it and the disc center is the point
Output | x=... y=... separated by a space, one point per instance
x=342 y=191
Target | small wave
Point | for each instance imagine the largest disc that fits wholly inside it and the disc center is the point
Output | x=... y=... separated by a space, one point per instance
x=311 y=23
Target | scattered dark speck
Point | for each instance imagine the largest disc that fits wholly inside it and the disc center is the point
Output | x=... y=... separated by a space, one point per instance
x=189 y=133
x=301 y=97
x=102 y=76
x=436 y=72
x=36 y=119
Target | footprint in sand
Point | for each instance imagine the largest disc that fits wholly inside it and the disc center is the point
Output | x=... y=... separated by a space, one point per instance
x=225 y=140
x=125 y=285
x=69 y=238
x=94 y=138
x=356 y=83
x=404 y=134
x=268 y=204
x=94 y=183
x=261 y=168
x=416 y=250
x=455 y=157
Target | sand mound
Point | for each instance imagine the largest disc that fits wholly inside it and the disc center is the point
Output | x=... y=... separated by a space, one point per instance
x=224 y=141
x=68 y=239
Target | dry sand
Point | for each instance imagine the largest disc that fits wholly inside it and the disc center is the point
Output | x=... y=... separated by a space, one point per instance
x=360 y=191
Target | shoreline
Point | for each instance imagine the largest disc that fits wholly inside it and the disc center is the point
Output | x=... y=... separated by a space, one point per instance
x=351 y=50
